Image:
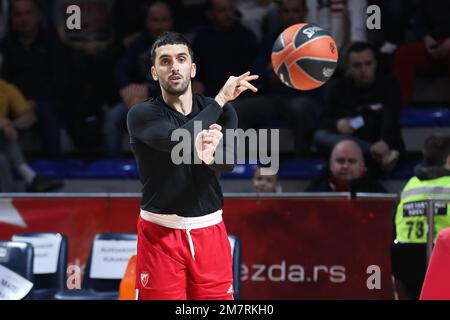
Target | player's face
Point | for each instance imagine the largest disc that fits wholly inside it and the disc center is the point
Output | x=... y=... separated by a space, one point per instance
x=362 y=67
x=347 y=164
x=173 y=68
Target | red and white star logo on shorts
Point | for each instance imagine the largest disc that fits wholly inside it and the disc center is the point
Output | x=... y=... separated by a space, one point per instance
x=144 y=278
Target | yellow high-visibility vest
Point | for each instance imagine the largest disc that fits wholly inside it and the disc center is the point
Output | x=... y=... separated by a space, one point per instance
x=411 y=217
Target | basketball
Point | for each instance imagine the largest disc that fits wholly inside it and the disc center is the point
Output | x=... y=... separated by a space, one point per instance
x=304 y=56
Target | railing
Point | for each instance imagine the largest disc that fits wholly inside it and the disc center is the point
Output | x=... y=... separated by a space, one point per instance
x=251 y=195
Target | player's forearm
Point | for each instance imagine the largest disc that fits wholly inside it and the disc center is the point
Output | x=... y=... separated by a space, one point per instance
x=221 y=101
x=206 y=117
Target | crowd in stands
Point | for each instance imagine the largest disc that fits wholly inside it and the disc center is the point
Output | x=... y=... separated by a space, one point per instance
x=85 y=80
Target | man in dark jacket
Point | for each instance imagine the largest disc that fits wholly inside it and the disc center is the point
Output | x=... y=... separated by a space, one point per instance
x=346 y=173
x=364 y=107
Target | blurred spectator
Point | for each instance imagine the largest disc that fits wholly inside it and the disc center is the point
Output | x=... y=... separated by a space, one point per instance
x=133 y=75
x=284 y=14
x=277 y=101
x=431 y=180
x=364 y=107
x=430 y=55
x=96 y=24
x=224 y=48
x=6 y=178
x=252 y=14
x=396 y=19
x=267 y=182
x=2 y=20
x=91 y=54
x=347 y=172
x=33 y=61
x=344 y=19
x=129 y=15
x=16 y=114
x=192 y=16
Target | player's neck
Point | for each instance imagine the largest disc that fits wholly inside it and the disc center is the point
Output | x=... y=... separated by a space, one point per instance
x=182 y=103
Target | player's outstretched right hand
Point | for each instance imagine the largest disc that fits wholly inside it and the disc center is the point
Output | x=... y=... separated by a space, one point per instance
x=234 y=87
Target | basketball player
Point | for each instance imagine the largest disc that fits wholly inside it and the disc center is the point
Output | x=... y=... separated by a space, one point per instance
x=183 y=248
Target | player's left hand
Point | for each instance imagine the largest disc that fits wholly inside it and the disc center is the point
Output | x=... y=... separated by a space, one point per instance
x=235 y=86
x=207 y=141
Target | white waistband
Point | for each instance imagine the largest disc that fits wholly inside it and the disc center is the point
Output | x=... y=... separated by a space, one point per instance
x=178 y=222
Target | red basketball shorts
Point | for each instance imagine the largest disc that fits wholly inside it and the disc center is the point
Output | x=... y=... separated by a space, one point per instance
x=182 y=258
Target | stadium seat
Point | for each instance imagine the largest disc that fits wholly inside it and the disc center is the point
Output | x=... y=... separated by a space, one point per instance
x=57 y=169
x=425 y=117
x=278 y=123
x=103 y=283
x=47 y=283
x=18 y=257
x=409 y=117
x=406 y=171
x=301 y=169
x=236 y=253
x=108 y=169
x=240 y=171
x=436 y=285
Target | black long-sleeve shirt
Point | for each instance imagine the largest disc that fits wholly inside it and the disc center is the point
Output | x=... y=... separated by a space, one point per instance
x=188 y=190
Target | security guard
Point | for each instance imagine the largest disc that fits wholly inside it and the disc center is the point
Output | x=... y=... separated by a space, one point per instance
x=431 y=180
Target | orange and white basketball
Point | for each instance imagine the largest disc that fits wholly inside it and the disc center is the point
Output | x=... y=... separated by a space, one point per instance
x=304 y=56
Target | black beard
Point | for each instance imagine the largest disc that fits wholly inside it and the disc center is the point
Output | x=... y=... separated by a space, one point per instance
x=183 y=88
